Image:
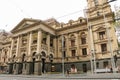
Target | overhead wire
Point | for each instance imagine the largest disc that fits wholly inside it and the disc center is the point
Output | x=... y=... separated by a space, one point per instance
x=19 y=8
x=70 y=14
x=25 y=13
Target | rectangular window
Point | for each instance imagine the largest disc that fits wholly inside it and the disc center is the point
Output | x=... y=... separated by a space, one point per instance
x=73 y=53
x=102 y=35
x=105 y=64
x=84 y=51
x=72 y=42
x=97 y=65
x=44 y=41
x=64 y=54
x=83 y=40
x=103 y=47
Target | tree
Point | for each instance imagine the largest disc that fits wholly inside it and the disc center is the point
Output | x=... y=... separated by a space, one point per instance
x=117 y=22
x=117 y=16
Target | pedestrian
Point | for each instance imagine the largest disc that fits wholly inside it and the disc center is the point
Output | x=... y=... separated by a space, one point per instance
x=111 y=70
x=68 y=72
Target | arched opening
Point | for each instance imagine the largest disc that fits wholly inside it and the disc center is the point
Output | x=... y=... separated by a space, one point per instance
x=23 y=57
x=43 y=55
x=21 y=65
x=33 y=63
x=11 y=65
x=84 y=67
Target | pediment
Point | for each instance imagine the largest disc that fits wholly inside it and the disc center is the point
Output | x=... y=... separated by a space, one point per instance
x=24 y=23
x=99 y=29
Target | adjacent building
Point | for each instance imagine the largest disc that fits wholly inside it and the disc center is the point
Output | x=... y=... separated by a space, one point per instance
x=86 y=44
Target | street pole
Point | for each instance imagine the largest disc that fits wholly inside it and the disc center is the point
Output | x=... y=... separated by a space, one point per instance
x=108 y=37
x=92 y=49
x=63 y=55
x=92 y=58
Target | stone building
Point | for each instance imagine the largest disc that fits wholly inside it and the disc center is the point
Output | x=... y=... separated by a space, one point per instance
x=38 y=46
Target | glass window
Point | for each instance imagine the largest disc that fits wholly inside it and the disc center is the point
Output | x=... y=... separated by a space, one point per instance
x=84 y=51
x=64 y=54
x=72 y=42
x=83 y=40
x=73 y=53
x=102 y=35
x=97 y=65
x=105 y=64
x=103 y=47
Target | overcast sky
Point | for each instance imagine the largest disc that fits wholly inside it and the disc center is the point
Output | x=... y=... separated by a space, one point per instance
x=13 y=11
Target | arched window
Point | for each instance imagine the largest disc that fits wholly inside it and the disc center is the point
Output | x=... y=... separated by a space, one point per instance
x=72 y=40
x=83 y=38
x=13 y=58
x=23 y=57
x=43 y=54
x=33 y=56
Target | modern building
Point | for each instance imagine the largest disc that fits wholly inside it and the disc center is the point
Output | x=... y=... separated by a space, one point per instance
x=86 y=44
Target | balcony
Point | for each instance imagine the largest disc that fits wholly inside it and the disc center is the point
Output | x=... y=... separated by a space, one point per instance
x=73 y=47
x=44 y=47
x=102 y=40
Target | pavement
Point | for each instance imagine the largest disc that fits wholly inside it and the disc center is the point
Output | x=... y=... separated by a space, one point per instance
x=111 y=76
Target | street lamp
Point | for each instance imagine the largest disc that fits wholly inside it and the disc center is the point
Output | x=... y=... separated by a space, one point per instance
x=108 y=36
x=63 y=55
x=92 y=50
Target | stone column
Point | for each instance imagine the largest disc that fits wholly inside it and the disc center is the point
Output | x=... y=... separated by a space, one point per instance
x=24 y=70
x=2 y=55
x=77 y=40
x=12 y=43
x=17 y=68
x=29 y=44
x=27 y=70
x=37 y=69
x=28 y=65
x=39 y=41
x=67 y=46
x=17 y=48
x=48 y=43
x=37 y=66
x=55 y=46
x=59 y=44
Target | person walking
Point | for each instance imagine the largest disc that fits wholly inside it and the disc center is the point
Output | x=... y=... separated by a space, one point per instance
x=68 y=72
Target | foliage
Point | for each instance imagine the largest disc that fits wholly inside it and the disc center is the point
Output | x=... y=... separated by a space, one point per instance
x=117 y=16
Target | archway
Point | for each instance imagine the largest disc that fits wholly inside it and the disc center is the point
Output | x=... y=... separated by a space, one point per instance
x=43 y=55
x=11 y=66
x=21 y=65
x=33 y=63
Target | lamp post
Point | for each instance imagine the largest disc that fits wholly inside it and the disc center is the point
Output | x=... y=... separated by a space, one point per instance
x=108 y=37
x=92 y=57
x=63 y=55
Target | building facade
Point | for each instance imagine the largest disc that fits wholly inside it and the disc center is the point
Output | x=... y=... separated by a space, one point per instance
x=37 y=46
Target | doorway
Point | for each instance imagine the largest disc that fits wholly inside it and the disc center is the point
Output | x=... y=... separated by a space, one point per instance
x=84 y=68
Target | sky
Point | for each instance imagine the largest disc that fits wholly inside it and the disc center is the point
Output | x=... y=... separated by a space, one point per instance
x=13 y=11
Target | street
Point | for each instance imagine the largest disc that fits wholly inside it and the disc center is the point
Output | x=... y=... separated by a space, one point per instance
x=105 y=76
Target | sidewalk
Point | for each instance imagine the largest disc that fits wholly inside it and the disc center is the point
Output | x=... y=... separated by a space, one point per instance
x=71 y=76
